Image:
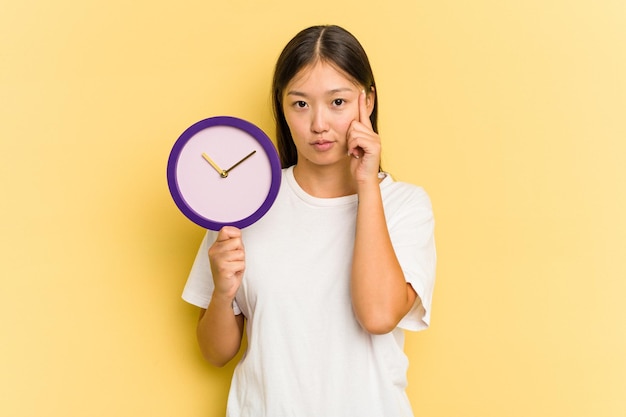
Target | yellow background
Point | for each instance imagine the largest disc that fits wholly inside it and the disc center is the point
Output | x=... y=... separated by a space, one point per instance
x=512 y=114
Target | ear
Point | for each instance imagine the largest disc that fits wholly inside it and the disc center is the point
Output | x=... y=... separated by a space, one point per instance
x=370 y=99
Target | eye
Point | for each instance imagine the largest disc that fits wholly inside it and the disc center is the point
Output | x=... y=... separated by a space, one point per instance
x=338 y=102
x=300 y=104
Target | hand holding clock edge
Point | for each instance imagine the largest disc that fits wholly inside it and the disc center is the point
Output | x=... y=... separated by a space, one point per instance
x=219 y=330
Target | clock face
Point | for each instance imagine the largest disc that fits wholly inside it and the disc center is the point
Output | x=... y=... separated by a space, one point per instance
x=223 y=171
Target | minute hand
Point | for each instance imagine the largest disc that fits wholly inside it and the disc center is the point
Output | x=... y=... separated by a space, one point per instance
x=238 y=163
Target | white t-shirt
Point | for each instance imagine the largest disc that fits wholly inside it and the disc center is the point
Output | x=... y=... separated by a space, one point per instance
x=307 y=355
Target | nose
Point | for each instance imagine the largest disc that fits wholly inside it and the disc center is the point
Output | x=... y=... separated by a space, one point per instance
x=319 y=122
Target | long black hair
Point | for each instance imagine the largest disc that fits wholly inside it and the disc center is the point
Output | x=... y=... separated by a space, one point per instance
x=330 y=44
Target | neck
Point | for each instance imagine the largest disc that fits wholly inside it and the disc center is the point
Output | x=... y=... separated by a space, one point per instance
x=325 y=181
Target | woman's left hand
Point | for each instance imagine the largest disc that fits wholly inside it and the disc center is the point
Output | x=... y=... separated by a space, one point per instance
x=364 y=146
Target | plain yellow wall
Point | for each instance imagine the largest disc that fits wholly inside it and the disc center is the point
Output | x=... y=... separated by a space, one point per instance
x=512 y=114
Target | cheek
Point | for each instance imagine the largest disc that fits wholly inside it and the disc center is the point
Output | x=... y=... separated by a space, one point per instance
x=343 y=122
x=295 y=126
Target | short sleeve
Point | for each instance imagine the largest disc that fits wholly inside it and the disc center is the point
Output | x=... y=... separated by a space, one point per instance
x=411 y=226
x=199 y=287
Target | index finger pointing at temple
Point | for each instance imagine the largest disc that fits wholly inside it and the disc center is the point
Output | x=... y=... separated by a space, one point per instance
x=364 y=116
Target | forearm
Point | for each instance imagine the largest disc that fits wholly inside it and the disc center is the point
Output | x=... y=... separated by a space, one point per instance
x=219 y=332
x=380 y=294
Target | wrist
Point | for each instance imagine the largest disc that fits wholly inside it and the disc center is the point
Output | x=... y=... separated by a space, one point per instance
x=369 y=184
x=222 y=301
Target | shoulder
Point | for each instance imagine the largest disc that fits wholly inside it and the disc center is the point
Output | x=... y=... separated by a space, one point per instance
x=403 y=194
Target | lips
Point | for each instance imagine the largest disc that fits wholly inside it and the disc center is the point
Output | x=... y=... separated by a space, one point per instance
x=322 y=145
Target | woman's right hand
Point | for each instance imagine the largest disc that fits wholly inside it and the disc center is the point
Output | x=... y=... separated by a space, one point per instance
x=227 y=258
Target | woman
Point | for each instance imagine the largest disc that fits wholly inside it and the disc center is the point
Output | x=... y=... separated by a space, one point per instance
x=340 y=265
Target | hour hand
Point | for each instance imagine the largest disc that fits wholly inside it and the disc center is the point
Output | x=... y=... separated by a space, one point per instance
x=214 y=165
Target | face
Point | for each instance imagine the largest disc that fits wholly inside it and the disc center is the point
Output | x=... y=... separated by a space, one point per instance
x=319 y=104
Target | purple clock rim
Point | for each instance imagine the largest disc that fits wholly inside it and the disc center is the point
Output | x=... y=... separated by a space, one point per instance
x=253 y=131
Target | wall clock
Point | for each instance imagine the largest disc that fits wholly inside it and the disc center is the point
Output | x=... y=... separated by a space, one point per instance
x=223 y=171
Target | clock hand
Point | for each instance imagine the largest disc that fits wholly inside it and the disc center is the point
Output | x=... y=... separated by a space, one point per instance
x=219 y=170
x=237 y=164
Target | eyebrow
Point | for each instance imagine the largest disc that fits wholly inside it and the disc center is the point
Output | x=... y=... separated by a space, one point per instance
x=330 y=92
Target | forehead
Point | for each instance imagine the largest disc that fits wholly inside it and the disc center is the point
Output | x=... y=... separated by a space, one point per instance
x=321 y=75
